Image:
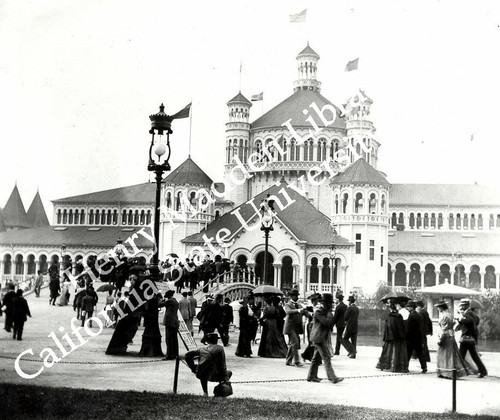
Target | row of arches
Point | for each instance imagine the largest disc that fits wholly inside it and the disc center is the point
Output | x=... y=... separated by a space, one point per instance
x=177 y=203
x=103 y=217
x=237 y=147
x=418 y=275
x=452 y=221
x=361 y=203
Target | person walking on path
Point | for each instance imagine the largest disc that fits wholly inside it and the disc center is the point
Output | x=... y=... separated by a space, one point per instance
x=244 y=348
x=272 y=342
x=254 y=310
x=227 y=319
x=448 y=356
x=415 y=335
x=171 y=322
x=88 y=304
x=293 y=328
x=38 y=283
x=350 y=338
x=427 y=327
x=339 y=321
x=8 y=302
x=54 y=284
x=321 y=336
x=308 y=353
x=21 y=311
x=185 y=310
x=394 y=357
x=467 y=323
x=211 y=363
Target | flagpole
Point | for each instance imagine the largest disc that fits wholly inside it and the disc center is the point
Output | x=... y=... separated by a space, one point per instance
x=190 y=126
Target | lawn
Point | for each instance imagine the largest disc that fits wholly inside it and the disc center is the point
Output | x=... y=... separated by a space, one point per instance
x=33 y=402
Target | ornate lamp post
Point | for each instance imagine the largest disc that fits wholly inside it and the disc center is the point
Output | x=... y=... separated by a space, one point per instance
x=333 y=256
x=159 y=155
x=61 y=264
x=267 y=212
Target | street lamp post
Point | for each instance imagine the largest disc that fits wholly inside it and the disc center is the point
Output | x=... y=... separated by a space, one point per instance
x=333 y=256
x=267 y=212
x=159 y=155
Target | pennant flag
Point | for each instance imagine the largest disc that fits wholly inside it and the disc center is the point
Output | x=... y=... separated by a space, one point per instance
x=183 y=113
x=352 y=65
x=258 y=97
x=299 y=17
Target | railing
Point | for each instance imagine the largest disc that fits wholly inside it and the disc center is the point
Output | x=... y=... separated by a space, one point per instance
x=360 y=218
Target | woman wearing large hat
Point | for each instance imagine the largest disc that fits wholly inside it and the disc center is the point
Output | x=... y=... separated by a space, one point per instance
x=448 y=356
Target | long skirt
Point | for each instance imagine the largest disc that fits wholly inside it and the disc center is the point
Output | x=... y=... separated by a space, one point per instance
x=448 y=358
x=244 y=348
x=123 y=334
x=272 y=343
x=394 y=357
x=172 y=342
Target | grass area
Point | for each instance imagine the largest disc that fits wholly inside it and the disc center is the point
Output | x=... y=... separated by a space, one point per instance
x=34 y=402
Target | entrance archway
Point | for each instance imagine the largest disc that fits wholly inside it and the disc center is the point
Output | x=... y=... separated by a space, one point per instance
x=286 y=274
x=259 y=268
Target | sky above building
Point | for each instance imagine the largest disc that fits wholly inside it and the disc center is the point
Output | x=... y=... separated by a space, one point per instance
x=79 y=79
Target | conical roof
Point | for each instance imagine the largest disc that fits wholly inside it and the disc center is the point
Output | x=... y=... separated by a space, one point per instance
x=14 y=213
x=239 y=98
x=308 y=51
x=188 y=173
x=2 y=222
x=359 y=173
x=36 y=213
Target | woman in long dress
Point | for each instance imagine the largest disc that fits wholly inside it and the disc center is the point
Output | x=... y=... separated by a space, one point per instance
x=244 y=348
x=394 y=357
x=272 y=343
x=448 y=356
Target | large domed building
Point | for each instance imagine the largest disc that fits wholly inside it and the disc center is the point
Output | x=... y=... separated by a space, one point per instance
x=339 y=222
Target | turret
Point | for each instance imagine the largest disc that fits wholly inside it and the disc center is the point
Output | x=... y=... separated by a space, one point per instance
x=307 y=66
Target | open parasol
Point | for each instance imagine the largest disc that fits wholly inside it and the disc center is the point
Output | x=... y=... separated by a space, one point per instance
x=398 y=296
x=106 y=288
x=266 y=290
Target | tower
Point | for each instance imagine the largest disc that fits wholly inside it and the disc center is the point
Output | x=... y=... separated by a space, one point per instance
x=237 y=146
x=360 y=129
x=360 y=212
x=307 y=66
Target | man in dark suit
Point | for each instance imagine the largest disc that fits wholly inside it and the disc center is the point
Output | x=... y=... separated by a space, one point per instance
x=427 y=326
x=20 y=314
x=8 y=302
x=171 y=322
x=468 y=324
x=415 y=335
x=254 y=311
x=351 y=328
x=339 y=321
x=321 y=335
x=293 y=327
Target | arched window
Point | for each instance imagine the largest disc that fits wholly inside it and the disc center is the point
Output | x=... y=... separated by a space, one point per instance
x=321 y=149
x=472 y=222
x=400 y=275
x=292 y=150
x=466 y=221
x=498 y=220
x=115 y=217
x=326 y=271
x=433 y=220
x=148 y=217
x=109 y=217
x=401 y=219
x=306 y=152
x=65 y=216
x=358 y=204
x=228 y=153
x=314 y=270
x=459 y=221
x=394 y=220
x=91 y=217
x=412 y=221
x=382 y=204
x=492 y=221
x=97 y=217
x=336 y=204
x=136 y=217
x=178 y=201
x=103 y=217
x=419 y=220
x=143 y=217
x=372 y=205
x=311 y=150
x=169 y=199
x=192 y=199
x=77 y=217
x=480 y=222
x=82 y=217
x=124 y=217
x=217 y=214
x=130 y=217
x=451 y=221
x=345 y=201
x=240 y=151
x=70 y=217
x=430 y=275
x=440 y=220
x=490 y=278
x=426 y=221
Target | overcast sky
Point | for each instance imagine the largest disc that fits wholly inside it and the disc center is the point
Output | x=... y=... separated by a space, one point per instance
x=79 y=79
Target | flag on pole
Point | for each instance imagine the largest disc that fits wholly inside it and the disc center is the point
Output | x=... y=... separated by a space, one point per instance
x=258 y=97
x=352 y=65
x=298 y=17
x=183 y=113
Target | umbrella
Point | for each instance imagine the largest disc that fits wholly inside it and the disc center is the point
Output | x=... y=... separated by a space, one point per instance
x=173 y=254
x=106 y=288
x=266 y=290
x=399 y=296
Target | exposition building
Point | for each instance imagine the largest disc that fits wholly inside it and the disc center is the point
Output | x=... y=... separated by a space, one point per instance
x=336 y=226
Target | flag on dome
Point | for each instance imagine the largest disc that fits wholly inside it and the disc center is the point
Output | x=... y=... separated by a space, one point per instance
x=352 y=65
x=258 y=97
x=183 y=113
x=298 y=17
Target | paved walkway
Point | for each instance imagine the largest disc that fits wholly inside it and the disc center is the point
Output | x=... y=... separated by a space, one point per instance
x=255 y=377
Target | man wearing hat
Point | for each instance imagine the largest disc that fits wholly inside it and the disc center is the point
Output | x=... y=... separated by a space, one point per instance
x=309 y=351
x=415 y=335
x=321 y=336
x=339 y=321
x=351 y=328
x=293 y=327
x=171 y=322
x=468 y=324
x=428 y=330
x=211 y=365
